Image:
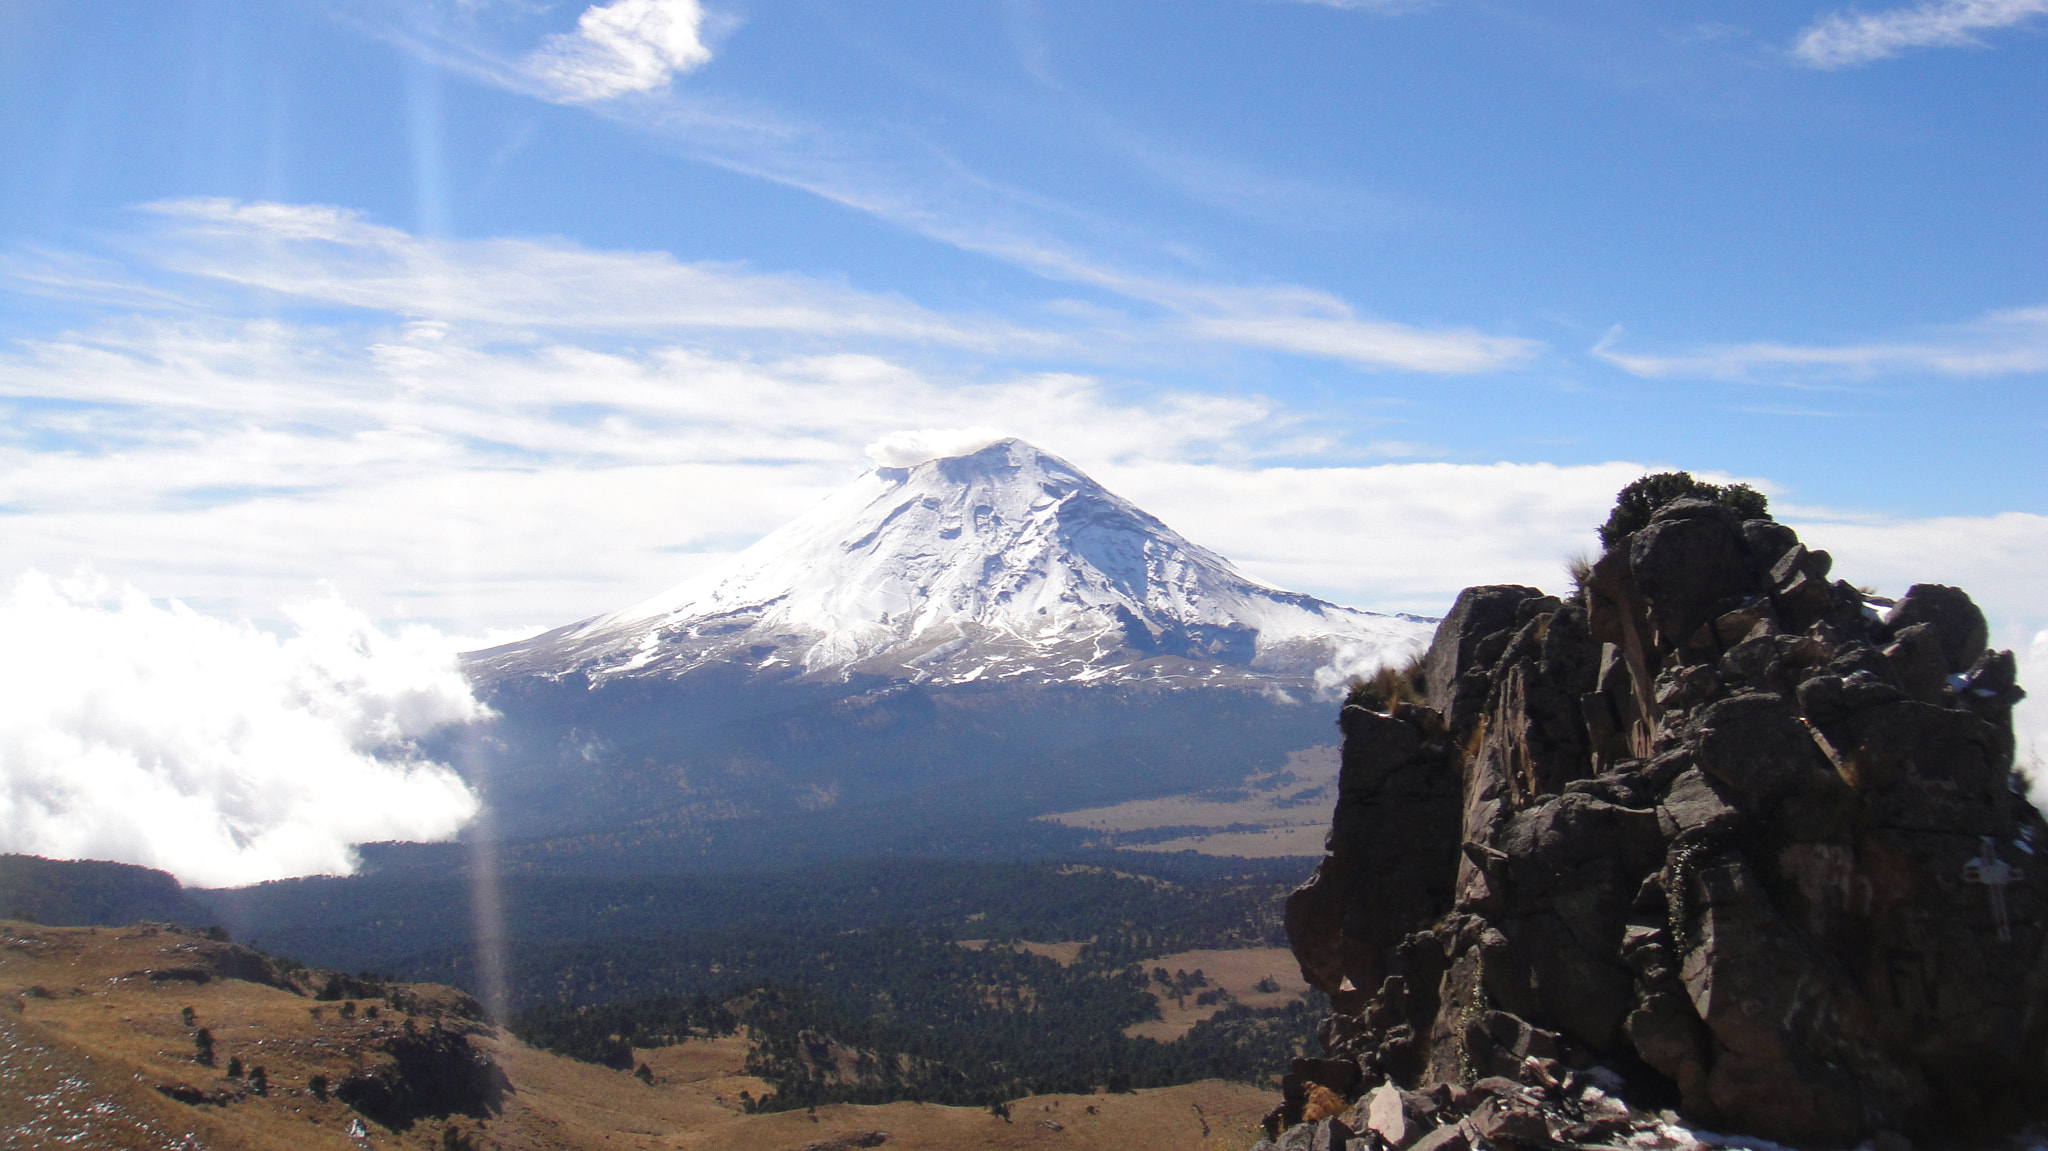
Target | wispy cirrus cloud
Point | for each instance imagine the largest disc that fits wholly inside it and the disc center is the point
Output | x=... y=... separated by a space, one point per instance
x=903 y=178
x=1366 y=343
x=2007 y=342
x=935 y=198
x=333 y=255
x=1844 y=39
x=619 y=48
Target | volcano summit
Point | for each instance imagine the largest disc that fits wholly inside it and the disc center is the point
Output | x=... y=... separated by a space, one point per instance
x=1007 y=563
x=976 y=638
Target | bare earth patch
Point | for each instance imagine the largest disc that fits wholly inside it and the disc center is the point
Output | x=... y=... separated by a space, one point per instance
x=1238 y=972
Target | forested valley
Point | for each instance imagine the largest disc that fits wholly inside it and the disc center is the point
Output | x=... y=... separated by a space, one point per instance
x=851 y=979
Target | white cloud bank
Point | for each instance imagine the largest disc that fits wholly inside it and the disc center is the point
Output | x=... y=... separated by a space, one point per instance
x=2031 y=718
x=1843 y=39
x=907 y=449
x=233 y=464
x=620 y=48
x=154 y=735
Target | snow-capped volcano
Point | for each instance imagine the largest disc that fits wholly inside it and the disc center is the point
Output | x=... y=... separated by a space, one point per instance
x=1004 y=563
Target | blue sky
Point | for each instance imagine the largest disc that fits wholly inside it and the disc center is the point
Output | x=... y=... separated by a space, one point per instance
x=259 y=260
x=338 y=337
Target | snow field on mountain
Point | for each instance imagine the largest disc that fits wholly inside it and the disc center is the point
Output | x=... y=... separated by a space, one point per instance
x=1005 y=561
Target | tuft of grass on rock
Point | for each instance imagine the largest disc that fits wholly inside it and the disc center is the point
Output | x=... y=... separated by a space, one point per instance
x=1388 y=687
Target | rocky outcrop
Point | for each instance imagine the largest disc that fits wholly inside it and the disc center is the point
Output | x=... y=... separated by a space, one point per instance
x=1717 y=831
x=428 y=1072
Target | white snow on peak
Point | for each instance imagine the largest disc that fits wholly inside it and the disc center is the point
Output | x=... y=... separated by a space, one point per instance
x=994 y=561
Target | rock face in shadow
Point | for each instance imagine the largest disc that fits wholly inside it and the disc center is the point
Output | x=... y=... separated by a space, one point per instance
x=1717 y=832
x=431 y=1073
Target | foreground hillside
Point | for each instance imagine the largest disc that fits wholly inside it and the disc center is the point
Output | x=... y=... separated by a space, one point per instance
x=151 y=1036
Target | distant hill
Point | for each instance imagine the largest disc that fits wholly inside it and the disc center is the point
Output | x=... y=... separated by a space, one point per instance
x=89 y=893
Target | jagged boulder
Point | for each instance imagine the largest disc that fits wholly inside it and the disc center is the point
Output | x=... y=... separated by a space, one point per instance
x=1715 y=831
x=1393 y=842
x=1958 y=625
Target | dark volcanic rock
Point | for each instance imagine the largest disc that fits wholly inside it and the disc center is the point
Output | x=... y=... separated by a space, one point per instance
x=1393 y=846
x=1714 y=836
x=1955 y=619
x=431 y=1073
x=1687 y=562
x=1479 y=614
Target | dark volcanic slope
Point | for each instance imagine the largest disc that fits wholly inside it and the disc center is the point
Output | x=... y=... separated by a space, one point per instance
x=706 y=771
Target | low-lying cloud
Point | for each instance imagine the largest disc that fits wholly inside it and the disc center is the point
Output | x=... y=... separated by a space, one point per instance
x=907 y=449
x=151 y=734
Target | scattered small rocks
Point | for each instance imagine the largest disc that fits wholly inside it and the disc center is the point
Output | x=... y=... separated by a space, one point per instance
x=1548 y=1106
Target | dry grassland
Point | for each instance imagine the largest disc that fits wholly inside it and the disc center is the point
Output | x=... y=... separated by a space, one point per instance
x=87 y=1038
x=1269 y=843
x=1063 y=953
x=1290 y=810
x=1237 y=972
